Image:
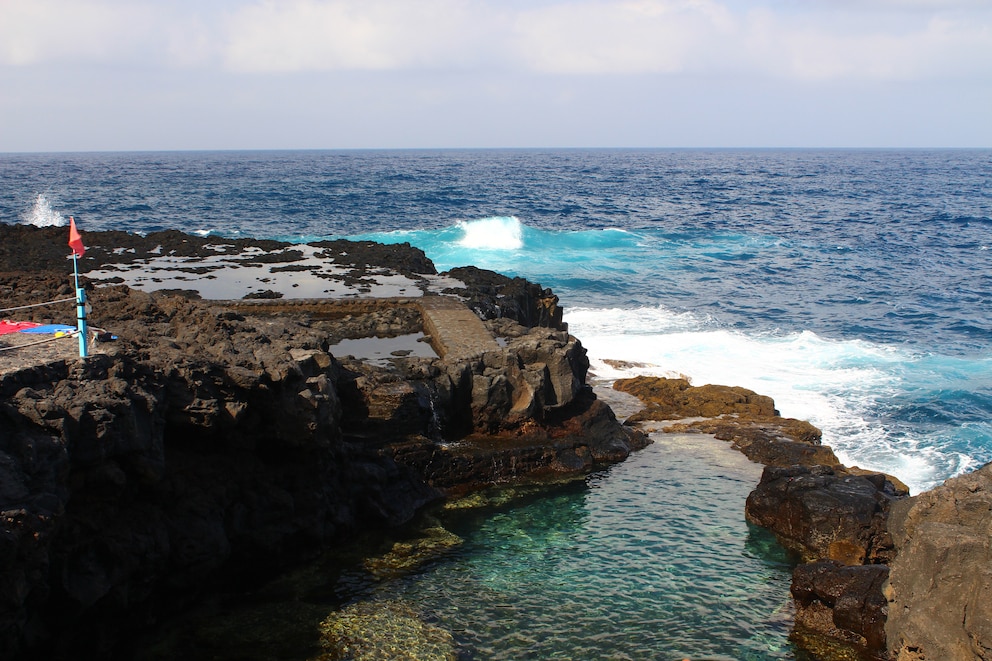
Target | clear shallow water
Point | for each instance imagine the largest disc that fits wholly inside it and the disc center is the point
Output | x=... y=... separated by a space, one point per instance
x=642 y=561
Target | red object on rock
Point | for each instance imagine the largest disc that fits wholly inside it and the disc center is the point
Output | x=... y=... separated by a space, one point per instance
x=75 y=239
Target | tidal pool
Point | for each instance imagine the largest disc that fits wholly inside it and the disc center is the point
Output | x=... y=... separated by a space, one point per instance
x=647 y=559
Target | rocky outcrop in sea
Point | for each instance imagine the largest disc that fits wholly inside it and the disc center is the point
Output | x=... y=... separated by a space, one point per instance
x=213 y=442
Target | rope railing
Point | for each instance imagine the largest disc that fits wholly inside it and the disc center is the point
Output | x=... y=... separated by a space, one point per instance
x=79 y=300
x=38 y=305
x=45 y=341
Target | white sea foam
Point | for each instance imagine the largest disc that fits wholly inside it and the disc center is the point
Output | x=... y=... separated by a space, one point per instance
x=42 y=214
x=840 y=386
x=495 y=233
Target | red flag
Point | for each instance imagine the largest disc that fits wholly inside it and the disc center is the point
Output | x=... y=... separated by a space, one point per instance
x=75 y=240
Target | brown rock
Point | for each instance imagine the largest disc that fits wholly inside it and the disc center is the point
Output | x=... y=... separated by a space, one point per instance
x=770 y=441
x=841 y=603
x=671 y=399
x=940 y=584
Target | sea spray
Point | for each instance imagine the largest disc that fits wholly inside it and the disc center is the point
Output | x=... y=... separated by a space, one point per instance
x=498 y=233
x=43 y=215
x=852 y=389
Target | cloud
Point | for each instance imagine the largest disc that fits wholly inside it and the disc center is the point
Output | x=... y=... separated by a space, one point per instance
x=320 y=35
x=648 y=36
x=109 y=33
x=45 y=30
x=862 y=45
x=879 y=40
x=814 y=40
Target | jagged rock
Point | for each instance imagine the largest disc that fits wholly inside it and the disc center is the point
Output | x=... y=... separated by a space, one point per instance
x=572 y=441
x=836 y=602
x=823 y=513
x=213 y=442
x=940 y=583
x=494 y=296
x=836 y=521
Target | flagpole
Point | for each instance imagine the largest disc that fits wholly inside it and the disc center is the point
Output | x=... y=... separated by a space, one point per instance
x=80 y=308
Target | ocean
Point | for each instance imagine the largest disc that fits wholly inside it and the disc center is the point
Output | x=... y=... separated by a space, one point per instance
x=852 y=286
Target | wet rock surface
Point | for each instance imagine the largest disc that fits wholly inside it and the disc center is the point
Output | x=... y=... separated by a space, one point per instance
x=211 y=443
x=821 y=512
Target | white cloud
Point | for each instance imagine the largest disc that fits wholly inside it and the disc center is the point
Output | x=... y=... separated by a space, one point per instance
x=321 y=35
x=597 y=37
x=812 y=40
x=865 y=46
x=34 y=31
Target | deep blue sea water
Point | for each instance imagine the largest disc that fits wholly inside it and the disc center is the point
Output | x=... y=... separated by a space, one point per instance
x=854 y=287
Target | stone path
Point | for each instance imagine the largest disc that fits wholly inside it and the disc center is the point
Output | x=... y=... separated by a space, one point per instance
x=457 y=333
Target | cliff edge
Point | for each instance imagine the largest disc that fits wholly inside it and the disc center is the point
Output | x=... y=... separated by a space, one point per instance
x=213 y=442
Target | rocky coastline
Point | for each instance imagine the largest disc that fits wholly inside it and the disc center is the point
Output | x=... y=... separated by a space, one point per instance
x=211 y=439
x=881 y=576
x=215 y=436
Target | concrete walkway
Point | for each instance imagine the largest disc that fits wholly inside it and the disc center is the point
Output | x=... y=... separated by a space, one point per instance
x=457 y=333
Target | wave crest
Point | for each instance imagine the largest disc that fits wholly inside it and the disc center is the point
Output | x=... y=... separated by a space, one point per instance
x=494 y=233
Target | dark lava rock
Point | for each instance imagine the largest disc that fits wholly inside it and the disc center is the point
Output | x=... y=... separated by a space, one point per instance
x=30 y=248
x=493 y=296
x=823 y=513
x=213 y=444
x=840 y=603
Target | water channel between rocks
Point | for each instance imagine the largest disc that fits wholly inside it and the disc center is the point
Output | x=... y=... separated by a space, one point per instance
x=648 y=559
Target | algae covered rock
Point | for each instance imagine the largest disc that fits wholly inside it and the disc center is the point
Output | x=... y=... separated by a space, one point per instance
x=407 y=555
x=376 y=630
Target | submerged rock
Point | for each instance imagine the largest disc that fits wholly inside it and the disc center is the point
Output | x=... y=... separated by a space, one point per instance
x=407 y=555
x=376 y=630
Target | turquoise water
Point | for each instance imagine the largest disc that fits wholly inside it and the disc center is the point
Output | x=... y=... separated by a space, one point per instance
x=649 y=559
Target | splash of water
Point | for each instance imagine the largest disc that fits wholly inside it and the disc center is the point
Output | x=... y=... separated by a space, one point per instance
x=866 y=397
x=43 y=215
x=495 y=233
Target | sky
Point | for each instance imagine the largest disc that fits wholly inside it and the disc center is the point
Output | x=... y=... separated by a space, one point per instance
x=110 y=75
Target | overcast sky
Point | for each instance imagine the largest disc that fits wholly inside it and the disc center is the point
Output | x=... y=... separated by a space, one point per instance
x=318 y=74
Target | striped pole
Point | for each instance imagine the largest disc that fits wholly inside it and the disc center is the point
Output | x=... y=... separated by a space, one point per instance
x=80 y=308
